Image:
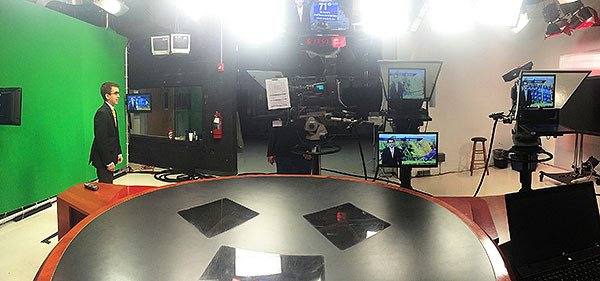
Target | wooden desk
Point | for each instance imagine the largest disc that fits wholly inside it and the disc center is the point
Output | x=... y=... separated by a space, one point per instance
x=77 y=202
x=479 y=209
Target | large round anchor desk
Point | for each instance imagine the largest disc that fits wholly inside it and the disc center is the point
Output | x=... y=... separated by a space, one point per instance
x=153 y=235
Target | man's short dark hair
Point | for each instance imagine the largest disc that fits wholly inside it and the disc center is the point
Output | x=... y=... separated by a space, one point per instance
x=391 y=139
x=105 y=88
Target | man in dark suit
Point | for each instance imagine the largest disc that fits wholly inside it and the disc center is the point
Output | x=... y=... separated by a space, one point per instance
x=282 y=140
x=106 y=148
x=391 y=155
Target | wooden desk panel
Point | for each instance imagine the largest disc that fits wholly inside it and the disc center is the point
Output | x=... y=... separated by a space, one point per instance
x=77 y=202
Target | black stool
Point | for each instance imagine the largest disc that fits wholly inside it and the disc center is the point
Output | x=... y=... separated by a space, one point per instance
x=476 y=151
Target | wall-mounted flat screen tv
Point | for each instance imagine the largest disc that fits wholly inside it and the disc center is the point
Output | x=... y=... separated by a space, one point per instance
x=10 y=106
x=139 y=103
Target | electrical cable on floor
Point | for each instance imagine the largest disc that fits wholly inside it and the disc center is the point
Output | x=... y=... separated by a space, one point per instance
x=47 y=239
x=166 y=176
x=487 y=161
x=26 y=211
x=356 y=135
x=362 y=158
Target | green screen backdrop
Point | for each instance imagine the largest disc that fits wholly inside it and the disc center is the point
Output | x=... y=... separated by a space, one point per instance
x=60 y=62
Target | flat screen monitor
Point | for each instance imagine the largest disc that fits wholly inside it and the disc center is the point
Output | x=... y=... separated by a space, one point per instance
x=329 y=15
x=411 y=150
x=160 y=45
x=406 y=83
x=139 y=103
x=537 y=91
x=10 y=106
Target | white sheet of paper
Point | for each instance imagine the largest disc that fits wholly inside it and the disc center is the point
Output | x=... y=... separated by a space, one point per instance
x=278 y=93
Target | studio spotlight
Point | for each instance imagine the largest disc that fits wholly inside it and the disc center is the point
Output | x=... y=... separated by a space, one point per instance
x=113 y=7
x=558 y=27
x=584 y=18
x=552 y=30
x=571 y=7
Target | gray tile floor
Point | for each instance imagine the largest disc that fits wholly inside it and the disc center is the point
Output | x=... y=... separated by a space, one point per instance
x=22 y=252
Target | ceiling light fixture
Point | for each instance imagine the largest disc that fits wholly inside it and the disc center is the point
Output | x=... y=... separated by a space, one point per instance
x=566 y=16
x=584 y=18
x=113 y=7
x=571 y=7
x=558 y=27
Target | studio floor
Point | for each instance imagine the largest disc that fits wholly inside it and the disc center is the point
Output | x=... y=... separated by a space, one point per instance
x=22 y=250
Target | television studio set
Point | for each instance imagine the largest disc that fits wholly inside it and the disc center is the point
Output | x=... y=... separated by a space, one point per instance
x=305 y=140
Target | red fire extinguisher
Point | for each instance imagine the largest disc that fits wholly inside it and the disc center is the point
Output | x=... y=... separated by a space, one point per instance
x=217 y=126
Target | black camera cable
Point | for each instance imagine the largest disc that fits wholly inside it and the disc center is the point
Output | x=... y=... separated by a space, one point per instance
x=356 y=135
x=178 y=176
x=487 y=161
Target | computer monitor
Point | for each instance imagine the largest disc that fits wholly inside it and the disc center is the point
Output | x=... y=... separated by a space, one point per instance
x=160 y=45
x=408 y=149
x=10 y=106
x=406 y=83
x=537 y=91
x=139 y=103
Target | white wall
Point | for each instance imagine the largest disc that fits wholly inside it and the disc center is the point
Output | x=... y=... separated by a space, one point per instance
x=470 y=86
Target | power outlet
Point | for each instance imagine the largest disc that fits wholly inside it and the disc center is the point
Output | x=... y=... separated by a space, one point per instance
x=423 y=173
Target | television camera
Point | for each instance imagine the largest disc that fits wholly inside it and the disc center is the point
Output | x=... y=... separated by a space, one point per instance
x=315 y=103
x=537 y=97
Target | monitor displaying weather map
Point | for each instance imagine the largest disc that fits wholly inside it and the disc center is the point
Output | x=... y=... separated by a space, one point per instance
x=408 y=149
x=406 y=83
